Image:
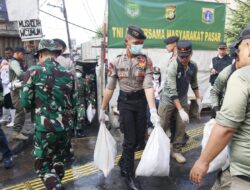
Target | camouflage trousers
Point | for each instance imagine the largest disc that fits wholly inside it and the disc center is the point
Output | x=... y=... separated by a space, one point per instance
x=49 y=153
x=81 y=117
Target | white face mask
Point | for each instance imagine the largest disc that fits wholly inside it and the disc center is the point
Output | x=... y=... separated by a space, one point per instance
x=136 y=49
x=78 y=75
x=156 y=76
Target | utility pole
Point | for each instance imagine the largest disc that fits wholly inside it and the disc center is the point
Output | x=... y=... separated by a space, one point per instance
x=67 y=27
x=64 y=11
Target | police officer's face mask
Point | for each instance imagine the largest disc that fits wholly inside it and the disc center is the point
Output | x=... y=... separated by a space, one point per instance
x=135 y=49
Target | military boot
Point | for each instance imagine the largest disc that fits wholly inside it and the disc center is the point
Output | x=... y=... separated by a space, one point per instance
x=52 y=182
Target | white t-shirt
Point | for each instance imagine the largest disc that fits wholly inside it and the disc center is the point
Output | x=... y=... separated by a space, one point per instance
x=157 y=88
x=5 y=79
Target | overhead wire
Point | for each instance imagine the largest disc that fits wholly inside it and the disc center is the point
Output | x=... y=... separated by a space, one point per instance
x=42 y=4
x=71 y=22
x=89 y=14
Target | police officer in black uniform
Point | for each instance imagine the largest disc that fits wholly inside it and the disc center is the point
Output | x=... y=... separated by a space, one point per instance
x=219 y=62
x=133 y=70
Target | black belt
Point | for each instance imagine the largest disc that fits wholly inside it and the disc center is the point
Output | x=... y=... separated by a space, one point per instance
x=140 y=94
x=245 y=178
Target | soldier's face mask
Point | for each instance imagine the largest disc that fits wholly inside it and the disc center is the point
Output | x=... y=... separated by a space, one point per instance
x=136 y=49
x=78 y=75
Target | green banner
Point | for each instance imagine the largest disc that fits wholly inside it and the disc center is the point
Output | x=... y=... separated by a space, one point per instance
x=200 y=22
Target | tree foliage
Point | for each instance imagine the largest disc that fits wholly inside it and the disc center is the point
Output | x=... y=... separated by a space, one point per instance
x=99 y=33
x=239 y=18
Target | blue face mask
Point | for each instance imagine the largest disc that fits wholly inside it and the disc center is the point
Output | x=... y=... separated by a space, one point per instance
x=136 y=49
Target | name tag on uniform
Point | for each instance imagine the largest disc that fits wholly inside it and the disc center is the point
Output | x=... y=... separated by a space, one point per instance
x=122 y=72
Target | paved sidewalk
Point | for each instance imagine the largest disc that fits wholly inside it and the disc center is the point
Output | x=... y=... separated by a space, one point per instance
x=18 y=145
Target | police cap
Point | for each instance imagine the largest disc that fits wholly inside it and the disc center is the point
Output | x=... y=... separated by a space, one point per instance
x=136 y=32
x=222 y=45
x=244 y=34
x=171 y=39
x=184 y=48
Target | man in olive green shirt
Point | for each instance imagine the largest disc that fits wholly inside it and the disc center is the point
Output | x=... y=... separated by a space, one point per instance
x=232 y=124
x=17 y=69
x=223 y=181
x=174 y=102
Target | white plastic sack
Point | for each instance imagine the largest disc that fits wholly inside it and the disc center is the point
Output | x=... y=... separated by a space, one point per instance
x=222 y=158
x=156 y=155
x=105 y=150
x=90 y=113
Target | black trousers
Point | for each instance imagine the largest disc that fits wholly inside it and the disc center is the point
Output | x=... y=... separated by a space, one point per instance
x=4 y=148
x=133 y=121
x=7 y=102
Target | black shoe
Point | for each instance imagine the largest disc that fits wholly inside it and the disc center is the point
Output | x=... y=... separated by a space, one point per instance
x=8 y=163
x=80 y=134
x=132 y=183
x=120 y=164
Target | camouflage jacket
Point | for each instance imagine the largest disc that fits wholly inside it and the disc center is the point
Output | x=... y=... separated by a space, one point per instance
x=90 y=90
x=49 y=88
x=80 y=91
x=85 y=92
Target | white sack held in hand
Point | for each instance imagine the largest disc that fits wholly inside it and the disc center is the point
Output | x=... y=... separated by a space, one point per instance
x=105 y=150
x=221 y=159
x=90 y=113
x=156 y=155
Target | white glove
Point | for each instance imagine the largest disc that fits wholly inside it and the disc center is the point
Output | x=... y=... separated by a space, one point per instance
x=199 y=103
x=9 y=86
x=102 y=117
x=154 y=117
x=16 y=84
x=184 y=116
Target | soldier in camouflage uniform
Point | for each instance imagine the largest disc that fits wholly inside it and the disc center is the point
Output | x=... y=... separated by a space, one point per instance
x=80 y=102
x=90 y=92
x=48 y=88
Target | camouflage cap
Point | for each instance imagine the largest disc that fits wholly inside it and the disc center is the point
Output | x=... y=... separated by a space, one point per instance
x=79 y=68
x=49 y=45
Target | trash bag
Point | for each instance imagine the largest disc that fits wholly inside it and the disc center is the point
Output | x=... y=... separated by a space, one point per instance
x=105 y=150
x=90 y=113
x=156 y=155
x=222 y=158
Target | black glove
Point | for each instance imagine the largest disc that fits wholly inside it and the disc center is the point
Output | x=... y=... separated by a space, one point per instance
x=213 y=111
